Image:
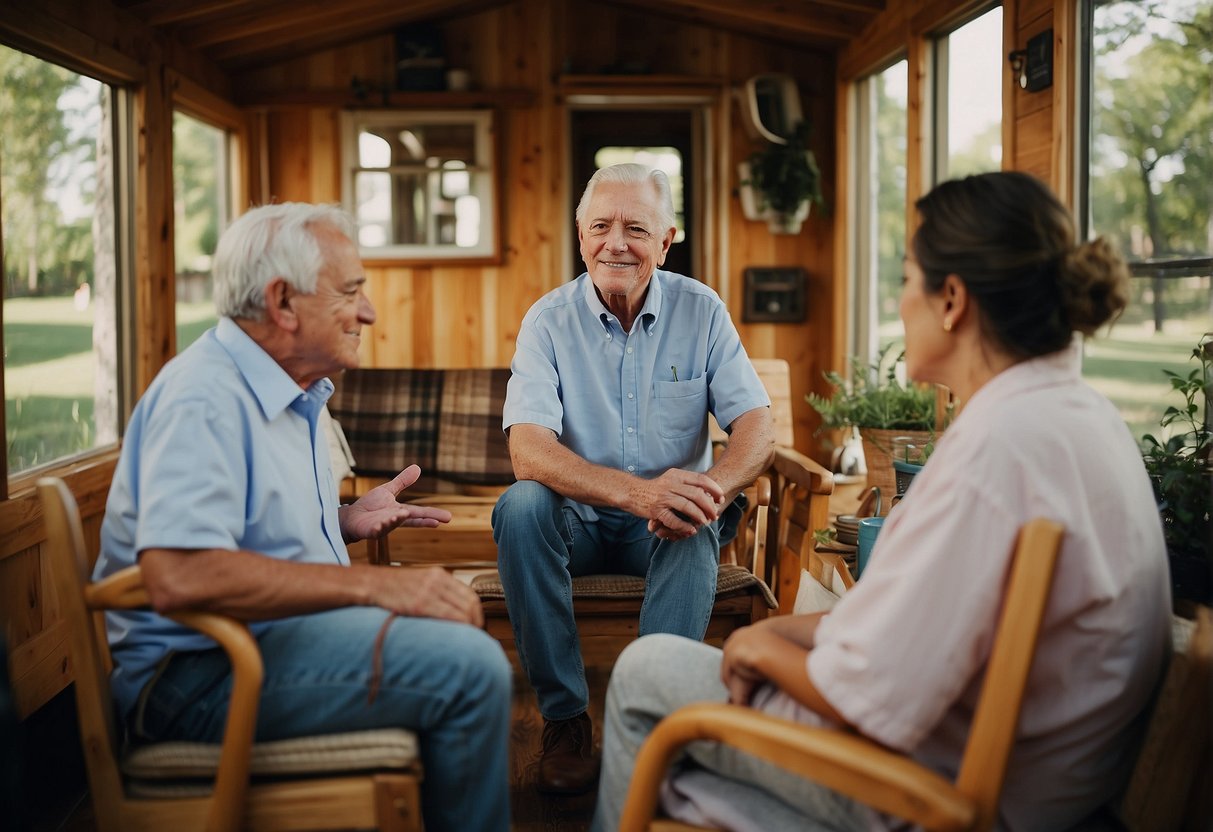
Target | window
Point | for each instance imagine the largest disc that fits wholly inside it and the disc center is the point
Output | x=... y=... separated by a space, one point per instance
x=879 y=214
x=969 y=69
x=60 y=259
x=422 y=185
x=201 y=168
x=1149 y=148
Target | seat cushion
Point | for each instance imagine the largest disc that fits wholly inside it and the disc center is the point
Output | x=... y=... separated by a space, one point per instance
x=388 y=748
x=730 y=580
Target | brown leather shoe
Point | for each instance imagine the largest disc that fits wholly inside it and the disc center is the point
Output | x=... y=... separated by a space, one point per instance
x=569 y=764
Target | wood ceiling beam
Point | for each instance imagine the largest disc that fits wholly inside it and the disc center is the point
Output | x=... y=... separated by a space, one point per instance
x=284 y=18
x=164 y=12
x=273 y=46
x=765 y=17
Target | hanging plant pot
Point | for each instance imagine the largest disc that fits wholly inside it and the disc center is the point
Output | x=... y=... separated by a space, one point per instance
x=753 y=207
x=788 y=223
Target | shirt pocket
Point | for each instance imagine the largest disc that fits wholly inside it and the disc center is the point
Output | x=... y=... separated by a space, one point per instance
x=682 y=407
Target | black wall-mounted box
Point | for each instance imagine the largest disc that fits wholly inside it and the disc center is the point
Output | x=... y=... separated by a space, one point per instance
x=1039 y=69
x=774 y=295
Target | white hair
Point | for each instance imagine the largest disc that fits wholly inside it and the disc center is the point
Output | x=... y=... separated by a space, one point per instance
x=271 y=241
x=630 y=173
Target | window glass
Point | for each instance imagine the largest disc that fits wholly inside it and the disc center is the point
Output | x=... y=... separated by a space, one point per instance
x=1150 y=151
x=57 y=197
x=665 y=159
x=200 y=199
x=969 y=70
x=422 y=184
x=880 y=210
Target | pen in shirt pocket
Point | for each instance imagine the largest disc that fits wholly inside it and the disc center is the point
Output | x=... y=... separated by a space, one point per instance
x=674 y=370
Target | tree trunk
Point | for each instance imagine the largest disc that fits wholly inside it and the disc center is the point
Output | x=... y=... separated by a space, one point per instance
x=105 y=282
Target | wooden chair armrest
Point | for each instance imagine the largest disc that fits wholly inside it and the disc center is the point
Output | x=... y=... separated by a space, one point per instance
x=846 y=763
x=124 y=590
x=792 y=465
x=801 y=504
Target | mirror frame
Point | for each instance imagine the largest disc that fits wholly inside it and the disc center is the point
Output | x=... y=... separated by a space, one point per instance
x=488 y=250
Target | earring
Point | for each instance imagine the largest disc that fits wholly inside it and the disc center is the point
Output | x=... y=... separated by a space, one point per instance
x=947 y=326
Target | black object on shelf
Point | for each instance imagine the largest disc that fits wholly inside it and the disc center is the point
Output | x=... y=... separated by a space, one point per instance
x=420 y=58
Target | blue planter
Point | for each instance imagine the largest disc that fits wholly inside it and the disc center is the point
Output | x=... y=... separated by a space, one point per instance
x=904 y=473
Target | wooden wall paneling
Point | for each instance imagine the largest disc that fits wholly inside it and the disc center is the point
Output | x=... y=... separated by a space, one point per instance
x=290 y=155
x=1013 y=104
x=392 y=335
x=1034 y=15
x=29 y=609
x=846 y=238
x=1034 y=153
x=324 y=171
x=1066 y=51
x=536 y=220
x=155 y=282
x=427 y=320
x=883 y=38
x=460 y=334
x=21 y=603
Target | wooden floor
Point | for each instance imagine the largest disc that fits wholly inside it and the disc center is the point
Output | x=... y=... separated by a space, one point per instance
x=530 y=810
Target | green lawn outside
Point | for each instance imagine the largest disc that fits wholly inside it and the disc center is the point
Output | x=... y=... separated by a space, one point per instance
x=49 y=375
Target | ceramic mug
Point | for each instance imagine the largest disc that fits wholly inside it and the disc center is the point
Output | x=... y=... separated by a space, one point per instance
x=869 y=527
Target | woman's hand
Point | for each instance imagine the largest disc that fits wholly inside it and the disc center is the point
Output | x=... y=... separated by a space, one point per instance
x=739 y=670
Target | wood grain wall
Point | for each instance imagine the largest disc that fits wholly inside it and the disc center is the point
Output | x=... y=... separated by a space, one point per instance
x=460 y=316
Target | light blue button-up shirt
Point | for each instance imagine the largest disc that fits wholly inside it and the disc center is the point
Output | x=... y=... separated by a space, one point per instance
x=222 y=452
x=636 y=401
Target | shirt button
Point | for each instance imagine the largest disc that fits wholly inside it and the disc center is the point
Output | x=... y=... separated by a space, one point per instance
x=629 y=350
x=631 y=468
x=631 y=430
x=631 y=396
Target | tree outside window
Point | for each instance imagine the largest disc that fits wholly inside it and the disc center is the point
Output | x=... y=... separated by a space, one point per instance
x=56 y=194
x=1150 y=189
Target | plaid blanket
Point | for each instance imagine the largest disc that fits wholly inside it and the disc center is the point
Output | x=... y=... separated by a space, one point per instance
x=446 y=421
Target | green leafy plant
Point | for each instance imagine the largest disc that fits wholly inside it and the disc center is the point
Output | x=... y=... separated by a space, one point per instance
x=1180 y=468
x=874 y=398
x=786 y=175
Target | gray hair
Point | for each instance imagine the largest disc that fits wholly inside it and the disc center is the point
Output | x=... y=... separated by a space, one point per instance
x=632 y=174
x=271 y=241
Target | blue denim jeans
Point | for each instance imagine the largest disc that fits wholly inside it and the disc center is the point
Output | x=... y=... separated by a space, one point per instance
x=450 y=683
x=542 y=545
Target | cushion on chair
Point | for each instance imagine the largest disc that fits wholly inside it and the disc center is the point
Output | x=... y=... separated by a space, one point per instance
x=156 y=770
x=730 y=579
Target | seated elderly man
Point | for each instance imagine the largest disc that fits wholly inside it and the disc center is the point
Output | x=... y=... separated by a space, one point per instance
x=224 y=495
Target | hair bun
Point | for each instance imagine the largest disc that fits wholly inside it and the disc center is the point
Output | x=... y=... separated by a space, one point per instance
x=1094 y=282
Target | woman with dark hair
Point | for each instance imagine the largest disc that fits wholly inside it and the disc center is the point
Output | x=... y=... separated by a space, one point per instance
x=995 y=289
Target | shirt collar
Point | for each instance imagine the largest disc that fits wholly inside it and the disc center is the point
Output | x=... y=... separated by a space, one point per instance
x=1058 y=368
x=274 y=390
x=649 y=312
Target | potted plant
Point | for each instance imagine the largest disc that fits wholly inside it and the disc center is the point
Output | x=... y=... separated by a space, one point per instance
x=894 y=419
x=1181 y=470
x=781 y=182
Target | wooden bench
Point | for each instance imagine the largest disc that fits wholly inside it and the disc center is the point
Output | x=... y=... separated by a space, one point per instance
x=449 y=422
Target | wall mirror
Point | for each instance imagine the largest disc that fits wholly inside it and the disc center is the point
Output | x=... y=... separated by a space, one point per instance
x=422 y=185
